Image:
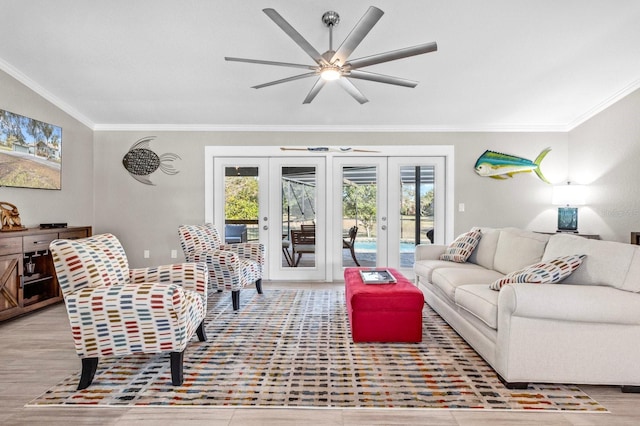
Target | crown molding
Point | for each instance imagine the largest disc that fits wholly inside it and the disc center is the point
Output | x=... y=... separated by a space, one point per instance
x=41 y=91
x=327 y=128
x=597 y=109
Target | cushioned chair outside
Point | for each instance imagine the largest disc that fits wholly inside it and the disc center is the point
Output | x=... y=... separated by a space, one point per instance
x=235 y=233
x=232 y=267
x=115 y=311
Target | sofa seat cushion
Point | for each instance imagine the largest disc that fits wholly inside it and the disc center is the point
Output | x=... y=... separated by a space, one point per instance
x=518 y=248
x=479 y=301
x=425 y=268
x=448 y=279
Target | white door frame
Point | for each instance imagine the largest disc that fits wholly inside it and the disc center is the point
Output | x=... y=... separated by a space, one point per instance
x=445 y=151
x=218 y=218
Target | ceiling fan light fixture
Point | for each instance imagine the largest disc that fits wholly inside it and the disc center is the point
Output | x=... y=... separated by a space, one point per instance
x=330 y=73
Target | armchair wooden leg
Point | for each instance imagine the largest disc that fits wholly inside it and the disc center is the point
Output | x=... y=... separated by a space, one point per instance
x=89 y=367
x=235 y=299
x=202 y=335
x=176 y=368
x=259 y=286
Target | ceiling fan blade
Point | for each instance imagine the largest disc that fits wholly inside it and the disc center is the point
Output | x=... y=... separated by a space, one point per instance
x=352 y=90
x=314 y=90
x=285 y=80
x=359 y=32
x=260 y=61
x=295 y=35
x=392 y=55
x=381 y=78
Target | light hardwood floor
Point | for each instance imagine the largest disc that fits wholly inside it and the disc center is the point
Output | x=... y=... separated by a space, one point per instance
x=36 y=352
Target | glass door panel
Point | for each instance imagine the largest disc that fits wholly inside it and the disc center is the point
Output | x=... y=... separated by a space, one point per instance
x=298 y=201
x=359 y=215
x=299 y=215
x=241 y=204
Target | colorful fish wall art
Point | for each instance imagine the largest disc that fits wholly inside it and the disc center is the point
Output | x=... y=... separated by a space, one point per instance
x=140 y=161
x=497 y=165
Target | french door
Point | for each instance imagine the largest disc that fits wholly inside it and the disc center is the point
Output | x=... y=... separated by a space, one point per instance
x=276 y=197
x=393 y=203
x=343 y=209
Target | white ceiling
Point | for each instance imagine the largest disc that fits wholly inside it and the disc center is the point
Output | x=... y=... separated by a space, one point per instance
x=500 y=64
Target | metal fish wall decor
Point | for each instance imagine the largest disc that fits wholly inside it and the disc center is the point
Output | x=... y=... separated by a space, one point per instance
x=140 y=161
x=497 y=165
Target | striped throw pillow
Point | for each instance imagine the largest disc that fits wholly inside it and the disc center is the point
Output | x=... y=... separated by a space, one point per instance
x=547 y=272
x=460 y=250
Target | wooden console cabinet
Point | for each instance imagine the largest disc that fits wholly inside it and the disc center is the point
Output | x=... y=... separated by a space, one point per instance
x=27 y=277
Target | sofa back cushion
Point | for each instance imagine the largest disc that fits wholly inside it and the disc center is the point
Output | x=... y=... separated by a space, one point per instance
x=486 y=250
x=460 y=250
x=518 y=248
x=607 y=263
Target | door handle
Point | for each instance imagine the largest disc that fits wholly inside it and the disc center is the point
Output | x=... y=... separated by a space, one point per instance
x=265 y=227
x=383 y=227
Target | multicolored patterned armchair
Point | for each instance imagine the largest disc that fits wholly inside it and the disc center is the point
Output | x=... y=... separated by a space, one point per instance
x=231 y=266
x=115 y=311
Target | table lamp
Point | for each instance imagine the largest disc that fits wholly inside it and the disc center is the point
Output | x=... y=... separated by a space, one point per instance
x=568 y=196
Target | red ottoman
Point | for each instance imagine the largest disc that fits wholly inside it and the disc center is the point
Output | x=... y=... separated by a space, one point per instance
x=383 y=312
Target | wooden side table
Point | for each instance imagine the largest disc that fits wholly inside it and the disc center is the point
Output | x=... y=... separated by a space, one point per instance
x=589 y=236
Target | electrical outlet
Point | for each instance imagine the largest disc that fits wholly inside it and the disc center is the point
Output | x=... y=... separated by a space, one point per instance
x=146 y=254
x=461 y=207
x=174 y=254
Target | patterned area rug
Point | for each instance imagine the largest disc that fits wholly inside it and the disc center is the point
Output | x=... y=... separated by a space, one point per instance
x=293 y=348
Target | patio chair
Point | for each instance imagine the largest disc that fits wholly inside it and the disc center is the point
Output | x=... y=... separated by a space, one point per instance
x=115 y=311
x=232 y=267
x=353 y=232
x=302 y=242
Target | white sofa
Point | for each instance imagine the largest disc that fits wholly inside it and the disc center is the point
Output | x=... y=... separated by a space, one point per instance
x=583 y=330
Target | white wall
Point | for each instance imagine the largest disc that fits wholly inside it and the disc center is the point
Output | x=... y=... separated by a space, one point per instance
x=604 y=154
x=74 y=202
x=147 y=217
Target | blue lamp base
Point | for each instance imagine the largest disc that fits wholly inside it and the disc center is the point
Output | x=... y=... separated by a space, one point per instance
x=567 y=219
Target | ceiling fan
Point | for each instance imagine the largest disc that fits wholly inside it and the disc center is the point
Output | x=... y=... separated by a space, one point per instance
x=335 y=64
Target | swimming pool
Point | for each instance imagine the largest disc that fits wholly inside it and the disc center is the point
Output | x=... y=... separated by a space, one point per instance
x=370 y=247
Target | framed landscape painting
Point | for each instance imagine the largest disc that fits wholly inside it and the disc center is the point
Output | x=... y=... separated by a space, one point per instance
x=30 y=152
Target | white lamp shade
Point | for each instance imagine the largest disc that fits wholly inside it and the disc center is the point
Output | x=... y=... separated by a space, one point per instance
x=569 y=195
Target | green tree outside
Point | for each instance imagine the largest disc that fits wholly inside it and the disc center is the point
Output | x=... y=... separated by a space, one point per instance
x=360 y=202
x=241 y=197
